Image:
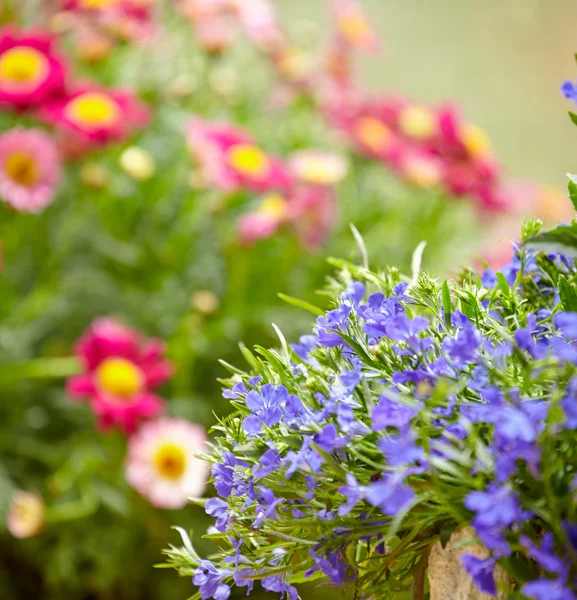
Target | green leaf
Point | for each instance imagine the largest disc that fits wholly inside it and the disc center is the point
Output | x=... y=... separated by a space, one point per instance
x=568 y=294
x=315 y=310
x=446 y=532
x=572 y=187
x=562 y=238
x=447 y=303
x=573 y=117
x=503 y=284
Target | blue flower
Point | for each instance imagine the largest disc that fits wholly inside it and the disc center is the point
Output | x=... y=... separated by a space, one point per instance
x=267 y=407
x=304 y=347
x=268 y=463
x=566 y=323
x=403 y=329
x=495 y=507
x=354 y=492
x=482 y=570
x=547 y=589
x=391 y=494
x=569 y=90
x=401 y=450
x=276 y=583
x=391 y=413
x=210 y=581
x=463 y=349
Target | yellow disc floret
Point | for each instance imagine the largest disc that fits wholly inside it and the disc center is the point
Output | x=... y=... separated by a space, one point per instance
x=93 y=109
x=170 y=461
x=273 y=206
x=476 y=140
x=21 y=66
x=249 y=160
x=418 y=122
x=22 y=169
x=120 y=377
x=374 y=134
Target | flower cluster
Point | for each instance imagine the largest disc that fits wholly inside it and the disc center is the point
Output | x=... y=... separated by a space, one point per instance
x=430 y=147
x=415 y=408
x=120 y=372
x=299 y=191
x=35 y=79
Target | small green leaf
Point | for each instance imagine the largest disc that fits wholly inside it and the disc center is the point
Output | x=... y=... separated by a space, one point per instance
x=447 y=303
x=301 y=304
x=446 y=532
x=573 y=117
x=568 y=294
x=503 y=284
x=572 y=187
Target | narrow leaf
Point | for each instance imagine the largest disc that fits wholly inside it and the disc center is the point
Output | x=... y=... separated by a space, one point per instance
x=315 y=310
x=447 y=303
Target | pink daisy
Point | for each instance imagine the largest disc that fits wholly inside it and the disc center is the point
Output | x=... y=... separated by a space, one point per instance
x=232 y=161
x=30 y=71
x=162 y=465
x=25 y=515
x=120 y=371
x=29 y=169
x=94 y=116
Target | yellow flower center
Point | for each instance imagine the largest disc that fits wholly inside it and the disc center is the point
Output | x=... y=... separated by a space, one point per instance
x=170 y=461
x=120 y=377
x=22 y=65
x=476 y=140
x=93 y=109
x=97 y=4
x=249 y=160
x=273 y=206
x=374 y=134
x=22 y=169
x=418 y=122
x=354 y=28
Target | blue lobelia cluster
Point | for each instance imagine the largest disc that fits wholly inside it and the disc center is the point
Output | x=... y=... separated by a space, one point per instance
x=415 y=408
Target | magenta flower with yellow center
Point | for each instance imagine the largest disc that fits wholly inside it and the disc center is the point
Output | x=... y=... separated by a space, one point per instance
x=31 y=73
x=96 y=116
x=29 y=169
x=230 y=159
x=25 y=516
x=121 y=370
x=162 y=465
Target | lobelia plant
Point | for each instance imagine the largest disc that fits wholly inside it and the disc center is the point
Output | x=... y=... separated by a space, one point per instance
x=417 y=407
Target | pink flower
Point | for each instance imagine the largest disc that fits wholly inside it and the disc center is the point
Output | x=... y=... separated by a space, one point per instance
x=265 y=221
x=31 y=73
x=120 y=371
x=29 y=169
x=25 y=516
x=232 y=161
x=92 y=116
x=427 y=146
x=309 y=209
x=318 y=167
x=162 y=465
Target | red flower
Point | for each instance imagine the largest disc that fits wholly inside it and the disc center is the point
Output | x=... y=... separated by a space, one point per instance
x=120 y=371
x=92 y=116
x=30 y=71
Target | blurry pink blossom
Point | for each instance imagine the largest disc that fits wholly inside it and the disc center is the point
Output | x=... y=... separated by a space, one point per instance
x=162 y=465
